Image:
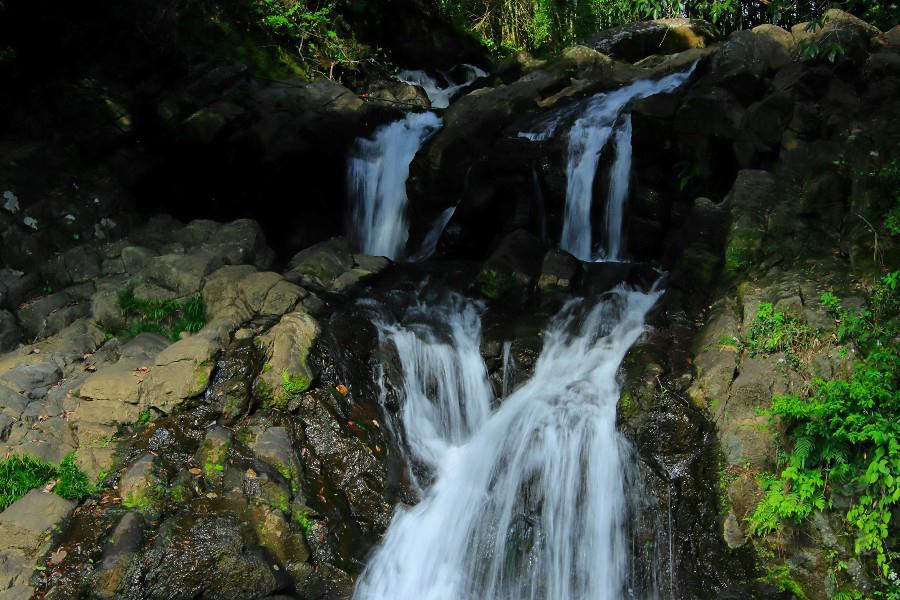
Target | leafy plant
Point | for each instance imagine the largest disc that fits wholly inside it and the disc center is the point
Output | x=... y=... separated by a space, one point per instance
x=775 y=331
x=168 y=318
x=20 y=474
x=303 y=520
x=844 y=434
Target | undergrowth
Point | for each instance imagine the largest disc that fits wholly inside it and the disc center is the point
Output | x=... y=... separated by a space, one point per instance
x=773 y=330
x=168 y=318
x=20 y=474
x=843 y=438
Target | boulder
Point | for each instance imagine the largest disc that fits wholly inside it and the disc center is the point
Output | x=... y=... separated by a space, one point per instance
x=200 y=557
x=120 y=550
x=634 y=41
x=287 y=346
x=855 y=36
x=273 y=445
x=748 y=201
x=558 y=271
x=10 y=332
x=138 y=486
x=514 y=265
x=746 y=60
x=180 y=371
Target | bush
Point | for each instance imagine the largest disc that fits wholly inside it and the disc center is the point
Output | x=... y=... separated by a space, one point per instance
x=844 y=434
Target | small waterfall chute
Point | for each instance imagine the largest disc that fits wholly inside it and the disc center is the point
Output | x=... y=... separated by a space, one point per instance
x=377 y=171
x=441 y=94
x=600 y=123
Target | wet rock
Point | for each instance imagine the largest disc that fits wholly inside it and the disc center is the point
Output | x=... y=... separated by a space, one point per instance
x=331 y=265
x=232 y=385
x=138 y=486
x=398 y=94
x=513 y=267
x=77 y=265
x=287 y=347
x=119 y=553
x=10 y=332
x=278 y=537
x=635 y=41
x=558 y=271
x=273 y=445
x=202 y=558
x=213 y=454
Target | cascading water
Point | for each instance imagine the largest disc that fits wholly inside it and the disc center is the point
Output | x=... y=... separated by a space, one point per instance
x=440 y=95
x=430 y=243
x=600 y=119
x=376 y=181
x=528 y=501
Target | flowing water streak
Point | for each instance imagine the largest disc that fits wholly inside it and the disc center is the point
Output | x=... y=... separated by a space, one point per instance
x=587 y=139
x=430 y=243
x=528 y=502
x=376 y=180
x=440 y=95
x=505 y=370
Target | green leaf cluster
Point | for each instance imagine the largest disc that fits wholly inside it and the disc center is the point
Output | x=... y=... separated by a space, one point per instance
x=844 y=434
x=168 y=318
x=309 y=27
x=20 y=474
x=773 y=330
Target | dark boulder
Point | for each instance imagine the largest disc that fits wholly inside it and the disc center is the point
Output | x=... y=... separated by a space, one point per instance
x=635 y=41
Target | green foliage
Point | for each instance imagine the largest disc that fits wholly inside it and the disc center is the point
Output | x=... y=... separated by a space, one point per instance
x=73 y=483
x=844 y=434
x=144 y=416
x=303 y=520
x=293 y=384
x=310 y=29
x=495 y=283
x=775 y=331
x=168 y=318
x=780 y=577
x=19 y=474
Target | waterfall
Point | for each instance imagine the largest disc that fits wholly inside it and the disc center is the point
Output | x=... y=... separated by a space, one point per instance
x=440 y=95
x=376 y=181
x=429 y=244
x=528 y=499
x=599 y=119
x=619 y=183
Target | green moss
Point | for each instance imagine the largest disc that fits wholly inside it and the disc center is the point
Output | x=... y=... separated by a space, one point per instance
x=293 y=383
x=301 y=517
x=780 y=577
x=495 y=283
x=139 y=502
x=742 y=251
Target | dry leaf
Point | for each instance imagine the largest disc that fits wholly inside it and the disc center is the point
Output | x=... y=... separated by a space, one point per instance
x=58 y=556
x=196 y=472
x=250 y=473
x=342 y=389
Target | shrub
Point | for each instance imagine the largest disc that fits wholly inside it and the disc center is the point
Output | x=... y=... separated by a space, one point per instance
x=843 y=435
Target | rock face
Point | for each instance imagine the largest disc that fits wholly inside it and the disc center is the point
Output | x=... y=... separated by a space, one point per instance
x=635 y=41
x=254 y=457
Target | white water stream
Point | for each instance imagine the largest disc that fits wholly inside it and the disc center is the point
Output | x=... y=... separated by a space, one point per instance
x=376 y=181
x=528 y=499
x=440 y=94
x=600 y=120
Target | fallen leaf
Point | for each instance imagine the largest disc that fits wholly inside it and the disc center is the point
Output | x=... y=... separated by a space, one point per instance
x=342 y=389
x=49 y=486
x=196 y=472
x=58 y=556
x=249 y=473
